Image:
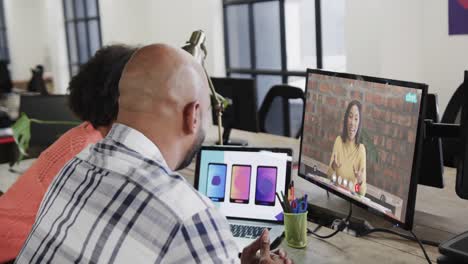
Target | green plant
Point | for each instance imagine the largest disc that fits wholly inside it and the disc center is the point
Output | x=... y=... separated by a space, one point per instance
x=22 y=132
x=371 y=149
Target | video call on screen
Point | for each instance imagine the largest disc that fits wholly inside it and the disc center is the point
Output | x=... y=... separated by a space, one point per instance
x=359 y=139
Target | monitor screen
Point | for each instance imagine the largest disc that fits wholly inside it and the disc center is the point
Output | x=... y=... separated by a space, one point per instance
x=50 y=108
x=242 y=182
x=360 y=140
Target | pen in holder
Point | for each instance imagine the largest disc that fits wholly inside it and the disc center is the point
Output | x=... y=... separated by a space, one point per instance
x=295 y=220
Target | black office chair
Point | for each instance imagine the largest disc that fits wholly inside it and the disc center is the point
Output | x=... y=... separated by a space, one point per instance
x=281 y=111
x=49 y=108
x=452 y=115
x=5 y=80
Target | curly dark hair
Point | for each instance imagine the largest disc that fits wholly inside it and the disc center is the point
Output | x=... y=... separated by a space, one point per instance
x=94 y=91
x=344 y=133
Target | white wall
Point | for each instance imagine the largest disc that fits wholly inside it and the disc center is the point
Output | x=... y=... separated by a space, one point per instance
x=182 y=17
x=124 y=21
x=56 y=52
x=406 y=40
x=383 y=38
x=445 y=57
x=36 y=33
x=362 y=37
x=396 y=39
x=36 y=36
x=171 y=22
x=25 y=33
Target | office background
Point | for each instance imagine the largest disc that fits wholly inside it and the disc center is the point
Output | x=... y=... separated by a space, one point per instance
x=398 y=39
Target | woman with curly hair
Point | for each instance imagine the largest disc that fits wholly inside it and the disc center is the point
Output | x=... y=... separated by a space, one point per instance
x=94 y=99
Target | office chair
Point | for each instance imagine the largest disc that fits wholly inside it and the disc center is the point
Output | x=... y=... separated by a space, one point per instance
x=50 y=108
x=242 y=113
x=281 y=111
x=5 y=79
x=452 y=116
x=37 y=84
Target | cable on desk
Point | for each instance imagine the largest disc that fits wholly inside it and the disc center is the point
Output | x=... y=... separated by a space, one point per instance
x=341 y=226
x=422 y=247
x=384 y=230
x=414 y=238
x=315 y=229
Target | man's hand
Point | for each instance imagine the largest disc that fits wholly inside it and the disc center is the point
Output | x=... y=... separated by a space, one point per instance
x=249 y=254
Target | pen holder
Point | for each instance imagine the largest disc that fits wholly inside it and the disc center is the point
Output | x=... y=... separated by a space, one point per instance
x=295 y=229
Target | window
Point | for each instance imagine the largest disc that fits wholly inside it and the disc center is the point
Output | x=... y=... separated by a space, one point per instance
x=4 y=52
x=83 y=31
x=274 y=41
x=333 y=35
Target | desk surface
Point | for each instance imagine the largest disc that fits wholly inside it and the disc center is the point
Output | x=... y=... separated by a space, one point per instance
x=439 y=215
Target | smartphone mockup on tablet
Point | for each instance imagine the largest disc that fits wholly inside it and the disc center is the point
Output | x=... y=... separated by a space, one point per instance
x=240 y=183
x=216 y=184
x=266 y=185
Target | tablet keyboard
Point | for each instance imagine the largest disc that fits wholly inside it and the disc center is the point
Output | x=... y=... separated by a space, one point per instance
x=245 y=231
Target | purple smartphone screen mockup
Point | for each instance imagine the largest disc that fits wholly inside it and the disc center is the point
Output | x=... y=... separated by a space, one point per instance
x=266 y=185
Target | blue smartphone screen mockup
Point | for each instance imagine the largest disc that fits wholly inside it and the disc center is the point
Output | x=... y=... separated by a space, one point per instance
x=216 y=184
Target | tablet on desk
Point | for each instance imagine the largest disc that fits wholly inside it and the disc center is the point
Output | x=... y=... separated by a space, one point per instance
x=242 y=183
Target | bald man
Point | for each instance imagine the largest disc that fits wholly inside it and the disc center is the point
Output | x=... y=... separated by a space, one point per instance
x=119 y=201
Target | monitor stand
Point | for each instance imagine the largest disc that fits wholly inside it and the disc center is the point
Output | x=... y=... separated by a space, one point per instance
x=231 y=142
x=358 y=224
x=358 y=227
x=325 y=217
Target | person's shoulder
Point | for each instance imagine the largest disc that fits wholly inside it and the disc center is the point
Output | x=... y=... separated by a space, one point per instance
x=362 y=148
x=74 y=141
x=65 y=147
x=338 y=140
x=84 y=134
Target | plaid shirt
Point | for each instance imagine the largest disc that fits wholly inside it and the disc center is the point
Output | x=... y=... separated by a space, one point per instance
x=118 y=202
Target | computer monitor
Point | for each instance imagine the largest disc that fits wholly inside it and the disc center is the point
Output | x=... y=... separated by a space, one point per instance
x=362 y=140
x=49 y=108
x=242 y=113
x=432 y=170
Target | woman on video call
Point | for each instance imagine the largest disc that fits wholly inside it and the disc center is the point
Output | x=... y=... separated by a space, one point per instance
x=348 y=160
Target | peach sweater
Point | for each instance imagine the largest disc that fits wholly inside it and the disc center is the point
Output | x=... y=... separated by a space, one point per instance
x=19 y=205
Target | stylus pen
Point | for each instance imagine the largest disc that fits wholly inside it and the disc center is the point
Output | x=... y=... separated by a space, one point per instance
x=281 y=203
x=286 y=204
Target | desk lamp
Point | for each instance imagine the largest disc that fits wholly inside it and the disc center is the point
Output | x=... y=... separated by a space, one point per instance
x=196 y=46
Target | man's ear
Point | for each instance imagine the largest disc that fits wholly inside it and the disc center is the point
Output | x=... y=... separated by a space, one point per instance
x=191 y=118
